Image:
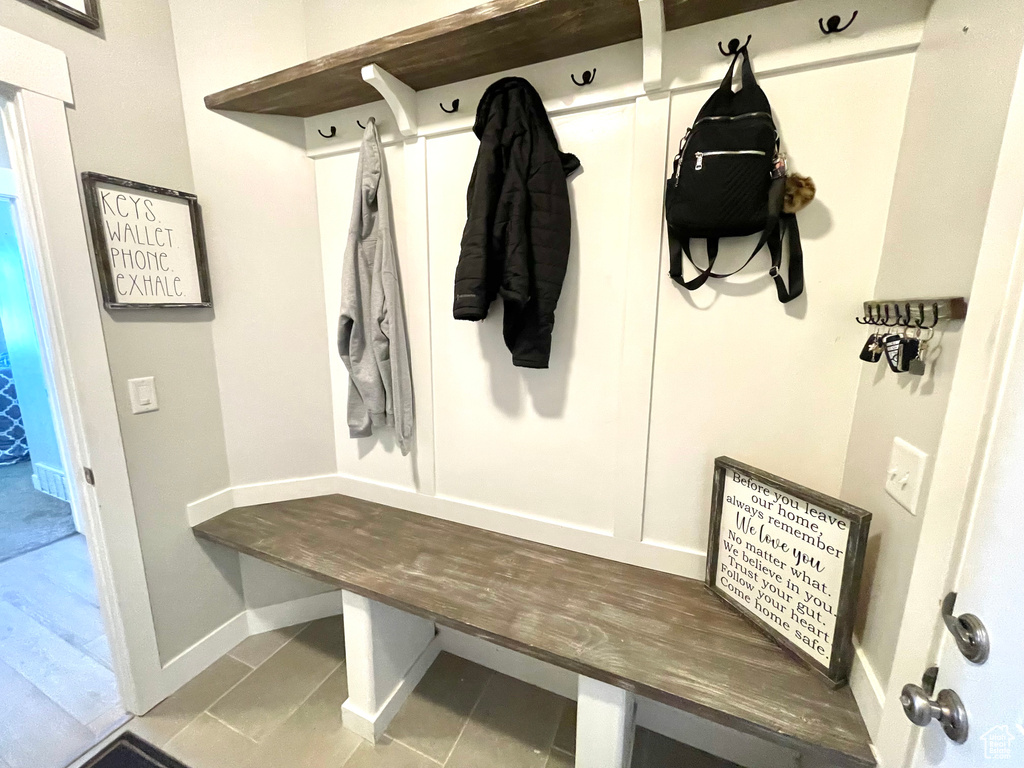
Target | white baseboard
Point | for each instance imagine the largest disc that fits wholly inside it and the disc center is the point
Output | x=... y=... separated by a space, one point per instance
x=50 y=481
x=193 y=660
x=370 y=726
x=867 y=690
x=201 y=510
x=294 y=612
x=208 y=507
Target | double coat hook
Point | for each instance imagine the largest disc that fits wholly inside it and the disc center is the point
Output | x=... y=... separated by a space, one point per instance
x=831 y=26
x=734 y=46
x=588 y=77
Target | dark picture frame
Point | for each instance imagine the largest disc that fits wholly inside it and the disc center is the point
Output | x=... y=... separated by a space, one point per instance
x=90 y=182
x=837 y=672
x=90 y=19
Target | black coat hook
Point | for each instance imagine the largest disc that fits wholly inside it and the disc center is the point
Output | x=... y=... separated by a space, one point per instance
x=831 y=26
x=331 y=135
x=453 y=110
x=734 y=46
x=360 y=125
x=588 y=77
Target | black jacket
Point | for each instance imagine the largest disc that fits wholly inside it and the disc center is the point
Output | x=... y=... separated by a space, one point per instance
x=516 y=241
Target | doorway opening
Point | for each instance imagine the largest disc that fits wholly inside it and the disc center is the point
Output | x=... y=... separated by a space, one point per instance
x=60 y=693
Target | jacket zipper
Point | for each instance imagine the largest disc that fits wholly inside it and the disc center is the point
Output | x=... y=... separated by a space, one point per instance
x=699 y=164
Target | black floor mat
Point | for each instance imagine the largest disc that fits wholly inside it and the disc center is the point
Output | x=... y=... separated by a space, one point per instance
x=129 y=751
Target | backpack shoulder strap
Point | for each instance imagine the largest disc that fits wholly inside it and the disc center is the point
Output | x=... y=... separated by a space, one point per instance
x=678 y=244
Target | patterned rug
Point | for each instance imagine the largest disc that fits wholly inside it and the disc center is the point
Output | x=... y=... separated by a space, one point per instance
x=13 y=444
x=29 y=519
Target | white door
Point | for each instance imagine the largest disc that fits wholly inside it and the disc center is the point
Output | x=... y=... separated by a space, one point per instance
x=990 y=585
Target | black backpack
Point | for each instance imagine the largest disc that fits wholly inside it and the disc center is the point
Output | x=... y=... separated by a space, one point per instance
x=729 y=180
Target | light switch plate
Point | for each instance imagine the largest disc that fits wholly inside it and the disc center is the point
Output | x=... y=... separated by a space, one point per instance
x=142 y=394
x=906 y=474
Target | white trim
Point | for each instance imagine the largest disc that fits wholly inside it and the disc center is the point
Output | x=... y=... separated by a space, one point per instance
x=253 y=621
x=201 y=654
x=57 y=265
x=690 y=62
x=8 y=184
x=293 y=612
x=646 y=554
x=652 y=25
x=50 y=481
x=996 y=295
x=30 y=65
x=371 y=726
x=640 y=316
x=387 y=652
x=208 y=507
x=605 y=725
x=867 y=690
x=400 y=97
x=203 y=509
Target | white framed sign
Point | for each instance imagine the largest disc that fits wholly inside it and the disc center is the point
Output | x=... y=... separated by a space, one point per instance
x=790 y=559
x=148 y=242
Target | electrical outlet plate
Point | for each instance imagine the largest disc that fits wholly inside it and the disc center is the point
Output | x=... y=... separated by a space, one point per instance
x=905 y=474
x=142 y=394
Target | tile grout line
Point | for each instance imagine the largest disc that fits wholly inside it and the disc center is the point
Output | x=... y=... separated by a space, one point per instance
x=287 y=717
x=226 y=725
x=469 y=717
x=413 y=749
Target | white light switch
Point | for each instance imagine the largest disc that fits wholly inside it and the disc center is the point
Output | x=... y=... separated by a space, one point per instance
x=905 y=474
x=142 y=393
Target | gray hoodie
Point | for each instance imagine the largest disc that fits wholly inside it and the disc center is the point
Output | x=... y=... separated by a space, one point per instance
x=371 y=331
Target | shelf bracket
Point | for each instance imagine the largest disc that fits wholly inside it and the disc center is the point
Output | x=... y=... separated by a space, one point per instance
x=652 y=24
x=399 y=96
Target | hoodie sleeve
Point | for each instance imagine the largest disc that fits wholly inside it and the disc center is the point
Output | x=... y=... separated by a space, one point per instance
x=477 y=256
x=399 y=367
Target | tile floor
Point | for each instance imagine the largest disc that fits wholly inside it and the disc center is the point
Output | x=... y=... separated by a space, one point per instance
x=58 y=695
x=275 y=702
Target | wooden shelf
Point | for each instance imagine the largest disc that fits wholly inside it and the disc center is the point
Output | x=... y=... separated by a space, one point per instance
x=493 y=37
x=662 y=636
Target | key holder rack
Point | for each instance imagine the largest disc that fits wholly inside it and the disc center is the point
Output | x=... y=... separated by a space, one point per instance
x=922 y=313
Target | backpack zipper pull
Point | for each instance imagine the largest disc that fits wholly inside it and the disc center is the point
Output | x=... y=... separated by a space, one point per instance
x=700 y=161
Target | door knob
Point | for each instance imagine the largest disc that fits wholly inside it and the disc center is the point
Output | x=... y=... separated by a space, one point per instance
x=968 y=631
x=947 y=708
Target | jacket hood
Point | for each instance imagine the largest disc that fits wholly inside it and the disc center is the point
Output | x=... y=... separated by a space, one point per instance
x=521 y=88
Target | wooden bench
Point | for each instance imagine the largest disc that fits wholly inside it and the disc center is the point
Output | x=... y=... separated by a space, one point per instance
x=625 y=630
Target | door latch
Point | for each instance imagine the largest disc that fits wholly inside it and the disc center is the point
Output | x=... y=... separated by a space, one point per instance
x=947 y=707
x=968 y=631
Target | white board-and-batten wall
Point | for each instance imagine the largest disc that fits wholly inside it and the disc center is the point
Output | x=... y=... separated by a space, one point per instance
x=610 y=451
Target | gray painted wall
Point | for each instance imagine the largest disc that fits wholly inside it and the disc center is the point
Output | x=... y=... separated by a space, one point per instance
x=128 y=122
x=956 y=115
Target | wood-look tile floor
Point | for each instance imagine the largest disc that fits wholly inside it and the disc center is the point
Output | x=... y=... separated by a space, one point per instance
x=58 y=695
x=275 y=702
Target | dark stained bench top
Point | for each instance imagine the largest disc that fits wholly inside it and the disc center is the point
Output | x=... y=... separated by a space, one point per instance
x=662 y=636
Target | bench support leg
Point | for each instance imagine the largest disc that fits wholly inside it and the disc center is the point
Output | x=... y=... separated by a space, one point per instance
x=605 y=720
x=387 y=651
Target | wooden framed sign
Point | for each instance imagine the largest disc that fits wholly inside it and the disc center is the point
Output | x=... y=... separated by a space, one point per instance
x=789 y=559
x=149 y=244
x=84 y=12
